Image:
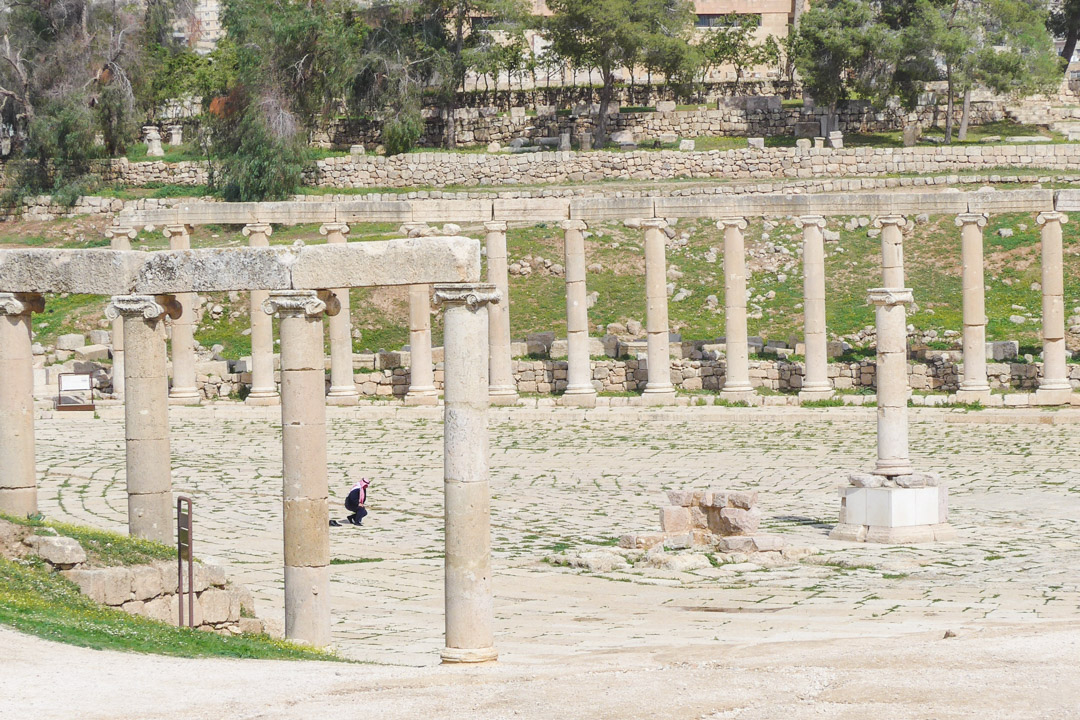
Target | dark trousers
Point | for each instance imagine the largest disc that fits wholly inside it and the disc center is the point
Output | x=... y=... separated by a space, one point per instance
x=360 y=514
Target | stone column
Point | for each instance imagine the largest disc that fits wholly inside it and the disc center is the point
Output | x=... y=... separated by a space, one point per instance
x=737 y=387
x=342 y=381
x=816 y=385
x=892 y=249
x=502 y=387
x=305 y=492
x=469 y=605
x=264 y=389
x=185 y=389
x=892 y=380
x=119 y=239
x=658 y=387
x=579 y=387
x=146 y=413
x=18 y=477
x=974 y=387
x=1054 y=388
x=421 y=372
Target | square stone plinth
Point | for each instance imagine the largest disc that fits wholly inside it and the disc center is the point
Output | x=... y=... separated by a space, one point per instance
x=1053 y=396
x=262 y=400
x=749 y=397
x=973 y=396
x=504 y=399
x=893 y=515
x=811 y=395
x=665 y=397
x=418 y=399
x=343 y=400
x=586 y=400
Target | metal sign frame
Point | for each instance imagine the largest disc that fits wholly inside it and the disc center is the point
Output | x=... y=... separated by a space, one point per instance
x=60 y=389
x=184 y=552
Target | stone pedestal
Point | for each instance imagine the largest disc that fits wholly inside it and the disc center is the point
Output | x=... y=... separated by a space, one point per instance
x=658 y=387
x=502 y=387
x=305 y=491
x=119 y=239
x=816 y=385
x=18 y=477
x=974 y=387
x=422 y=374
x=873 y=509
x=737 y=387
x=342 y=381
x=153 y=141
x=1054 y=387
x=146 y=413
x=579 y=387
x=469 y=604
x=264 y=389
x=185 y=389
x=176 y=134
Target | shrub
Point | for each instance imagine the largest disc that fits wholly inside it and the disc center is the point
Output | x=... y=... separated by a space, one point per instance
x=401 y=133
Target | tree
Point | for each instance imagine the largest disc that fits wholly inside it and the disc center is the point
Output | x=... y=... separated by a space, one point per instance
x=608 y=35
x=1064 y=22
x=732 y=44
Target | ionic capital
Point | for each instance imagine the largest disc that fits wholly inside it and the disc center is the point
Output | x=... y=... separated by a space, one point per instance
x=576 y=225
x=890 y=220
x=1052 y=216
x=121 y=231
x=890 y=296
x=302 y=303
x=147 y=306
x=339 y=228
x=181 y=229
x=737 y=223
x=971 y=218
x=258 y=229
x=21 y=303
x=805 y=221
x=473 y=295
x=654 y=224
x=495 y=226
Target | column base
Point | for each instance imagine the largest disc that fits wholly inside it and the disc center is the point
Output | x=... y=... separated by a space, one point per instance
x=307 y=604
x=579 y=398
x=262 y=399
x=185 y=397
x=658 y=396
x=469 y=655
x=893 y=514
x=421 y=398
x=1053 y=395
x=893 y=536
x=809 y=394
x=737 y=395
x=343 y=399
x=972 y=395
x=18 y=502
x=502 y=397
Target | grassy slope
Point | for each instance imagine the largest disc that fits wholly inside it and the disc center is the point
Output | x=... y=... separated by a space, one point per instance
x=538 y=304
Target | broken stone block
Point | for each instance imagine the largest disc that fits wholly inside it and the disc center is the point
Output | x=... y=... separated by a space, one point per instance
x=675 y=519
x=146 y=582
x=745 y=499
x=865 y=480
x=71 y=341
x=92 y=353
x=737 y=521
x=681 y=498
x=214 y=604
x=715 y=498
x=91 y=583
x=61 y=552
x=698 y=519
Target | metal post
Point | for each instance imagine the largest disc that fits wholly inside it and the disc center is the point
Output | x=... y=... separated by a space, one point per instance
x=184 y=551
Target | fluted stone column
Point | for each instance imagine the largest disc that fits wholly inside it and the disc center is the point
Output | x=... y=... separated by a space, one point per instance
x=579 y=387
x=18 y=478
x=185 y=389
x=892 y=380
x=658 y=387
x=305 y=492
x=816 y=385
x=146 y=413
x=264 y=389
x=119 y=239
x=1054 y=387
x=342 y=380
x=421 y=370
x=469 y=605
x=502 y=387
x=737 y=387
x=974 y=387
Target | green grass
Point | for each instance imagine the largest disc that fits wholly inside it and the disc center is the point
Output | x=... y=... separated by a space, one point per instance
x=38 y=601
x=354 y=561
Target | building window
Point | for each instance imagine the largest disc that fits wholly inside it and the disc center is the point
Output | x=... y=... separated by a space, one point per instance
x=728 y=20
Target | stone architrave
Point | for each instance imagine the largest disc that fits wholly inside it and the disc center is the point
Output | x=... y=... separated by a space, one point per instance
x=146 y=413
x=737 y=387
x=119 y=239
x=185 y=388
x=305 y=490
x=579 y=387
x=422 y=389
x=468 y=588
x=974 y=387
x=816 y=385
x=658 y=387
x=502 y=387
x=18 y=479
x=342 y=380
x=264 y=389
x=1054 y=387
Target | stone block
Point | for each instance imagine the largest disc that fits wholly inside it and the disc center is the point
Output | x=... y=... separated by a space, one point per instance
x=715 y=498
x=100 y=337
x=91 y=582
x=161 y=609
x=698 y=519
x=134 y=607
x=737 y=521
x=116 y=585
x=675 y=519
x=767 y=543
x=683 y=498
x=61 y=552
x=215 y=575
x=71 y=341
x=735 y=543
x=665 y=106
x=214 y=604
x=92 y=353
x=742 y=499
x=146 y=582
x=250 y=626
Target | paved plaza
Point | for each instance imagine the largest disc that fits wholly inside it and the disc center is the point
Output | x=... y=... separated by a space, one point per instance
x=565 y=480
